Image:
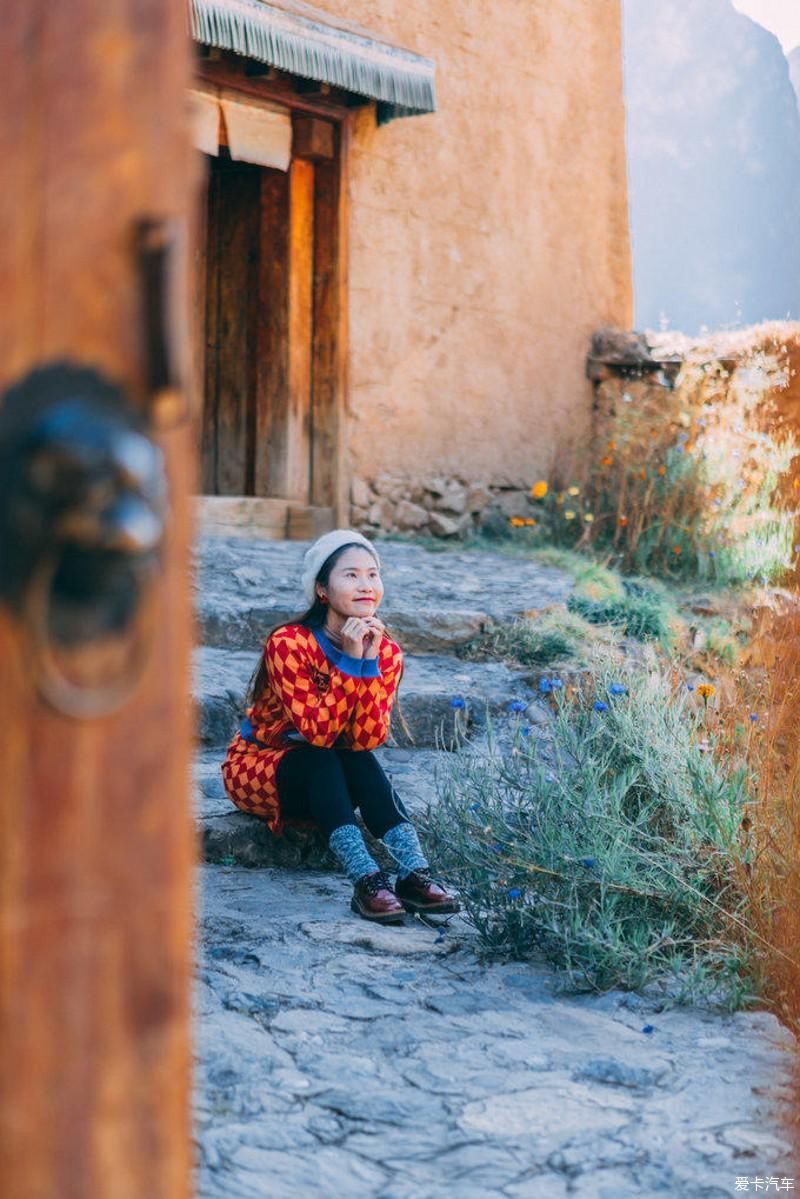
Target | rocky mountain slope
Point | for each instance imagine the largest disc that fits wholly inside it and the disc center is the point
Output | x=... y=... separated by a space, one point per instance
x=714 y=166
x=793 y=59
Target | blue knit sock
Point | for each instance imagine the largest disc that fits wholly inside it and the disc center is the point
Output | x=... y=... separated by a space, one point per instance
x=403 y=841
x=347 y=842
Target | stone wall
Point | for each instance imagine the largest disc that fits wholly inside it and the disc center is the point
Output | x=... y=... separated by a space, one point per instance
x=657 y=374
x=756 y=368
x=448 y=506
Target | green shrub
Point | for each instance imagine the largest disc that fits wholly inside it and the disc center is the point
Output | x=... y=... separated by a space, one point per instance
x=721 y=642
x=614 y=860
x=638 y=612
x=520 y=641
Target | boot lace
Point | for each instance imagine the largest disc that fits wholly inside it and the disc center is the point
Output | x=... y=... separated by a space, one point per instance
x=378 y=881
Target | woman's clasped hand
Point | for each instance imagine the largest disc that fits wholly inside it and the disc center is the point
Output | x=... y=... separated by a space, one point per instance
x=361 y=636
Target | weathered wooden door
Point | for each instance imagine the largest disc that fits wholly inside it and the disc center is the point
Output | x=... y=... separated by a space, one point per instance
x=274 y=316
x=259 y=321
x=233 y=256
x=96 y=840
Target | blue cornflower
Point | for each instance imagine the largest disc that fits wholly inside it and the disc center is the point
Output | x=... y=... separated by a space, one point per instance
x=690 y=686
x=457 y=702
x=545 y=686
x=526 y=730
x=556 y=683
x=587 y=862
x=599 y=706
x=617 y=689
x=712 y=553
x=754 y=717
x=680 y=449
x=514 y=893
x=648 y=1028
x=517 y=705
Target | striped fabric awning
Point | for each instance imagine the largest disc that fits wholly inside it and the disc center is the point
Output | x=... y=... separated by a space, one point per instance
x=297 y=38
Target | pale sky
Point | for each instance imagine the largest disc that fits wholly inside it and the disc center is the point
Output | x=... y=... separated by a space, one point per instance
x=781 y=17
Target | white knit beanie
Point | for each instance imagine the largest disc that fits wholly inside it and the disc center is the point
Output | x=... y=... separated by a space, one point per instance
x=322 y=548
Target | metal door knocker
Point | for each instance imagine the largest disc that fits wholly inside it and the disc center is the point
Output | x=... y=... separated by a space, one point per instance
x=82 y=515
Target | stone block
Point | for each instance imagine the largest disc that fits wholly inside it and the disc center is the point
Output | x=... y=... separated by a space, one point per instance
x=453 y=500
x=436 y=485
x=442 y=526
x=391 y=487
x=381 y=513
x=410 y=516
x=478 y=496
x=493 y=523
x=360 y=492
x=513 y=503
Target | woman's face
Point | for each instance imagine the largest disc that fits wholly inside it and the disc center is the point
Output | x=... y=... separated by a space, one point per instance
x=354 y=587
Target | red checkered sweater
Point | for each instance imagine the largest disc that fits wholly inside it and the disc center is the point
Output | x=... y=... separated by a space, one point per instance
x=308 y=693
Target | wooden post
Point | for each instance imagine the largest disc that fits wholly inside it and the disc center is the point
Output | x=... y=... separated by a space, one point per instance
x=301 y=285
x=283 y=405
x=96 y=839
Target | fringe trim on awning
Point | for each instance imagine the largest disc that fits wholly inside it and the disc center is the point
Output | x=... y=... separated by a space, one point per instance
x=403 y=81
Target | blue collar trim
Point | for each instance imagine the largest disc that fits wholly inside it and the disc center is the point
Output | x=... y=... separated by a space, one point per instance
x=359 y=668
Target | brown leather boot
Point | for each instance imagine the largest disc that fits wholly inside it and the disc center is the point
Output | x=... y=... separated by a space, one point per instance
x=374 y=899
x=419 y=893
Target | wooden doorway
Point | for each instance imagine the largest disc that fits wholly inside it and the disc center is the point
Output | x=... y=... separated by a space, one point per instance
x=233 y=248
x=273 y=315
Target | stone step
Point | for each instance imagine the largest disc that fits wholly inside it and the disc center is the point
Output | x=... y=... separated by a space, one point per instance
x=430 y=685
x=433 y=600
x=228 y=835
x=234 y=516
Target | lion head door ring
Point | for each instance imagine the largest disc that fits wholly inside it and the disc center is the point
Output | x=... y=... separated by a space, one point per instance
x=82 y=517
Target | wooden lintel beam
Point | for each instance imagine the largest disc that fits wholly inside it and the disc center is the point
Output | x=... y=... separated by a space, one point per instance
x=272 y=87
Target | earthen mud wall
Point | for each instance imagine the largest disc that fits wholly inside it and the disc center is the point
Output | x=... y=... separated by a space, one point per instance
x=487 y=241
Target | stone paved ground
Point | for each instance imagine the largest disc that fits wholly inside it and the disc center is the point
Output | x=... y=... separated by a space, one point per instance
x=347 y=1060
x=341 y=1059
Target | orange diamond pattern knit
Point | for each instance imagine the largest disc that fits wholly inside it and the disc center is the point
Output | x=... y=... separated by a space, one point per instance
x=308 y=693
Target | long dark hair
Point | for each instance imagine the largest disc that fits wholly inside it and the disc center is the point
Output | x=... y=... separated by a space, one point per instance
x=313 y=618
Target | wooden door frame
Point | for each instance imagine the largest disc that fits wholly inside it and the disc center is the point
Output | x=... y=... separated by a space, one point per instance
x=329 y=486
x=97 y=839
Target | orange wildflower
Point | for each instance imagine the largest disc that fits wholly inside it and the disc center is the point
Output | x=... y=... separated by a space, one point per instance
x=662 y=470
x=539 y=490
x=623 y=520
x=607 y=461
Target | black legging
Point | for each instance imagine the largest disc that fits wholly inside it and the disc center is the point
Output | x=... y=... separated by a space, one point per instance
x=327 y=785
